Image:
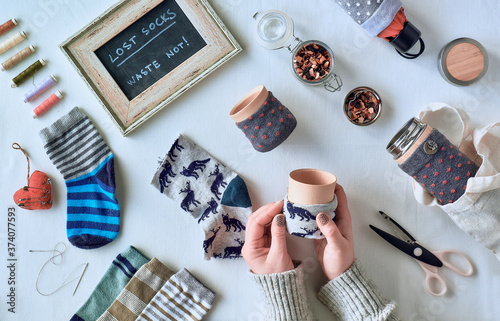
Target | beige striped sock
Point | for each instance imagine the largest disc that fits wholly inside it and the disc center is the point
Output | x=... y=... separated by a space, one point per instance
x=182 y=297
x=139 y=291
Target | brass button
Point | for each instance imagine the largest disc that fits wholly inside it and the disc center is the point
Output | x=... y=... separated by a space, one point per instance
x=430 y=147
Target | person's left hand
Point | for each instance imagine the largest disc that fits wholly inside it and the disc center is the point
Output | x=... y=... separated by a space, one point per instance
x=265 y=248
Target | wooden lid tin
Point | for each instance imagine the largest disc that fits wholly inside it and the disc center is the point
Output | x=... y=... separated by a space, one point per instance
x=463 y=61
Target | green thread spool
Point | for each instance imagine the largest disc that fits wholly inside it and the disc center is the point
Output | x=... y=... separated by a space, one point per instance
x=27 y=73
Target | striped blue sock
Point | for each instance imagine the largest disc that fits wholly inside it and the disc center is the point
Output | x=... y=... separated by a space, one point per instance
x=78 y=151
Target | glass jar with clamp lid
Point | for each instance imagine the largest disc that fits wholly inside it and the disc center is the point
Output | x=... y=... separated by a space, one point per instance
x=312 y=61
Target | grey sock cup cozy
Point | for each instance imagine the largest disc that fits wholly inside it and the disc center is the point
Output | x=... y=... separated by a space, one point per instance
x=444 y=173
x=373 y=15
x=301 y=219
x=269 y=126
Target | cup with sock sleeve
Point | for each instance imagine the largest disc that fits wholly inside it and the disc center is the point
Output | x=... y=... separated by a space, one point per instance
x=215 y=196
x=476 y=211
x=80 y=154
x=264 y=120
x=435 y=163
x=310 y=192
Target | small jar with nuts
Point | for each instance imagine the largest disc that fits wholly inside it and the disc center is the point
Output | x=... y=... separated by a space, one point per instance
x=312 y=61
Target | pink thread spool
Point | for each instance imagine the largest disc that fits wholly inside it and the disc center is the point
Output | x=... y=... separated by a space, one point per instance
x=12 y=41
x=40 y=88
x=47 y=104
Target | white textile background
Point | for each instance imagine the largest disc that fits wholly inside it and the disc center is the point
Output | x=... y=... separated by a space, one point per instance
x=323 y=139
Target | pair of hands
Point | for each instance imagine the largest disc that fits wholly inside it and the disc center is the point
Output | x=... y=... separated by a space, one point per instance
x=265 y=249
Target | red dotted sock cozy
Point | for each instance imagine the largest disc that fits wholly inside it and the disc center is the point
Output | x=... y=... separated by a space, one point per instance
x=269 y=126
x=440 y=167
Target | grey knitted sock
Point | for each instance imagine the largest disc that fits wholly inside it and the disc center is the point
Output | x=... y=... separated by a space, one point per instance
x=269 y=126
x=182 y=297
x=212 y=193
x=301 y=219
x=440 y=168
x=373 y=15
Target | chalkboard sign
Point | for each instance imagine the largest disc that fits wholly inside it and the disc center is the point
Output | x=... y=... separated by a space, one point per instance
x=140 y=55
x=150 y=48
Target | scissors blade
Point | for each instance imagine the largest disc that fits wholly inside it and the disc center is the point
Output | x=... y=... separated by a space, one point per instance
x=398 y=229
x=414 y=249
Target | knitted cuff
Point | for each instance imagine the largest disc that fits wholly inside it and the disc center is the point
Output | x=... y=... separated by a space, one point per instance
x=285 y=295
x=374 y=16
x=301 y=219
x=352 y=296
x=136 y=258
x=440 y=168
x=269 y=126
x=64 y=123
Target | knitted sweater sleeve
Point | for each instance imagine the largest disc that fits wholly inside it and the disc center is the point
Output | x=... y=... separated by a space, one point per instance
x=285 y=295
x=352 y=296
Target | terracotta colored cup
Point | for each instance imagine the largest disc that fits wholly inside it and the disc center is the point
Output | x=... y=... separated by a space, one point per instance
x=311 y=186
x=249 y=104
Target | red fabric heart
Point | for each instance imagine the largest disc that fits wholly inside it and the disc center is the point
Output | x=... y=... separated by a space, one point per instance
x=37 y=195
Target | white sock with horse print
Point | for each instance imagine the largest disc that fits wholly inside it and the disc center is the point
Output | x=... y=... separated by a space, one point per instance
x=212 y=193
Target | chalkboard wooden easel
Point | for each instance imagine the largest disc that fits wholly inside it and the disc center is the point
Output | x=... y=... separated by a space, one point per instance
x=140 y=54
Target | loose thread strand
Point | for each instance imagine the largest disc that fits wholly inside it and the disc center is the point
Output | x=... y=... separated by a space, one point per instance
x=17 y=146
x=58 y=254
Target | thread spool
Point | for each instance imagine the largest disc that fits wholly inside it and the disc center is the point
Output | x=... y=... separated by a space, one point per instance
x=47 y=104
x=27 y=73
x=17 y=58
x=40 y=88
x=7 y=26
x=12 y=41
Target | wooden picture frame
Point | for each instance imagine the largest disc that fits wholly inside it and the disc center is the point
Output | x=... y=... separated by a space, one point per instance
x=129 y=111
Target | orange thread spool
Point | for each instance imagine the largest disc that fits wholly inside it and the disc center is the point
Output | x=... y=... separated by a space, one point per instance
x=7 y=26
x=47 y=104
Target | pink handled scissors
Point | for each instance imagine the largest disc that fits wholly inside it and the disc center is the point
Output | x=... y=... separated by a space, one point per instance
x=430 y=261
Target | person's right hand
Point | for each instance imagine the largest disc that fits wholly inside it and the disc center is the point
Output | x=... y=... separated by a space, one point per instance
x=336 y=251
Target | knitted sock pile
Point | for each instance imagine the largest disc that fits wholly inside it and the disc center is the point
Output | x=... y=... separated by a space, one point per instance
x=123 y=267
x=138 y=292
x=182 y=297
